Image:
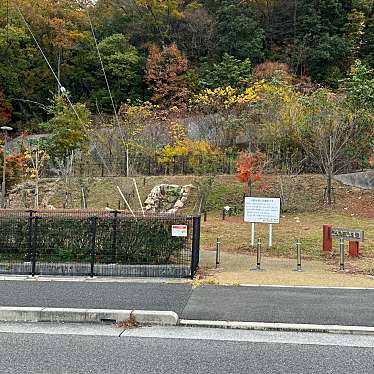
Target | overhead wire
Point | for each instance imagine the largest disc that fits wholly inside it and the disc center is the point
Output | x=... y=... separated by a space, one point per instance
x=109 y=89
x=7 y=22
x=46 y=60
x=54 y=74
x=102 y=65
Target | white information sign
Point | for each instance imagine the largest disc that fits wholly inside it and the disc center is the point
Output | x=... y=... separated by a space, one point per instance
x=179 y=231
x=262 y=209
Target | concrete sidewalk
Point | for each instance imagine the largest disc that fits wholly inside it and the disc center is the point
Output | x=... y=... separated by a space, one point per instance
x=288 y=305
x=95 y=295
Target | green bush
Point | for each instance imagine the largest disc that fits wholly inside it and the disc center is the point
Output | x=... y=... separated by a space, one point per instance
x=61 y=239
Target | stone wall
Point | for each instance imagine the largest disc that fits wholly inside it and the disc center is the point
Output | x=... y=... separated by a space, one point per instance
x=361 y=180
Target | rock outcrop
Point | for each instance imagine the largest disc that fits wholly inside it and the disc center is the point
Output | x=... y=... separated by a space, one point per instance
x=167 y=198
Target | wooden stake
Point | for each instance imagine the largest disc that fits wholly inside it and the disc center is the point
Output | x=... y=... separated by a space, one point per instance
x=137 y=192
x=124 y=199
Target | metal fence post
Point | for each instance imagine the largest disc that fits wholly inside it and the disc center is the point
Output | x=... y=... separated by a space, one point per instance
x=114 y=238
x=29 y=237
x=34 y=241
x=259 y=250
x=341 y=254
x=93 y=246
x=218 y=252
x=259 y=254
x=195 y=258
x=298 y=255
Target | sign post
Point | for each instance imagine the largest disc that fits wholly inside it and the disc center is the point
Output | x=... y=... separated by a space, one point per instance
x=270 y=235
x=262 y=210
x=352 y=235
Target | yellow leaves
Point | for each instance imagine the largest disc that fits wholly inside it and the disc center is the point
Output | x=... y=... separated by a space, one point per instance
x=27 y=156
x=145 y=110
x=33 y=173
x=228 y=97
x=177 y=132
x=187 y=147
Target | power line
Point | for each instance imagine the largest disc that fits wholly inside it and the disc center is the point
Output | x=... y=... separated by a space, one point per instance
x=47 y=61
x=7 y=22
x=102 y=65
x=53 y=72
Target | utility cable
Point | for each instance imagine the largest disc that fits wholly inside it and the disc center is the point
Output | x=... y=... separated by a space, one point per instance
x=109 y=90
x=47 y=61
x=53 y=72
x=102 y=65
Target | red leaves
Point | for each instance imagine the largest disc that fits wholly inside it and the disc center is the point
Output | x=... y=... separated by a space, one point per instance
x=250 y=166
x=5 y=109
x=371 y=160
x=164 y=74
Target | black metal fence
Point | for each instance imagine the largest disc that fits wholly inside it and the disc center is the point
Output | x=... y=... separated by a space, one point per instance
x=149 y=165
x=223 y=164
x=97 y=243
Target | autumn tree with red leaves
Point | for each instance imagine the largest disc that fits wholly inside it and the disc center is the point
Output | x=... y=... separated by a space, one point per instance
x=371 y=160
x=250 y=166
x=5 y=109
x=165 y=75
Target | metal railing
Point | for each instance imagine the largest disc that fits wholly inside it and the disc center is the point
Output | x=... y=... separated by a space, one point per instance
x=97 y=243
x=148 y=165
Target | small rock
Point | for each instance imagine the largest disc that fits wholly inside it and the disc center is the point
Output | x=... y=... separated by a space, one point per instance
x=179 y=204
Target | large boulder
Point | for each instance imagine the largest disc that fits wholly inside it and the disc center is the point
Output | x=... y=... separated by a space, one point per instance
x=167 y=198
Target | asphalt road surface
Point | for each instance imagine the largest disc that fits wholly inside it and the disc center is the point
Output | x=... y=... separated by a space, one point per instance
x=182 y=350
x=285 y=305
x=353 y=307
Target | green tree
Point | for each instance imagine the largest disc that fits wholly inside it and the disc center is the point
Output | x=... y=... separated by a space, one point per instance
x=229 y=72
x=238 y=30
x=123 y=66
x=68 y=128
x=321 y=47
x=359 y=87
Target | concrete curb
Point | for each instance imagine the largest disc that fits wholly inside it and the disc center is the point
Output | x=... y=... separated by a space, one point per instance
x=36 y=314
x=263 y=326
x=87 y=279
x=160 y=318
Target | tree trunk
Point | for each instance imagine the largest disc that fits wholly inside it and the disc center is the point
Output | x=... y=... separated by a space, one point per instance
x=329 y=189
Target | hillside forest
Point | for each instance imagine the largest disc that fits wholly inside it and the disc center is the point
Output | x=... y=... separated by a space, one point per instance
x=290 y=81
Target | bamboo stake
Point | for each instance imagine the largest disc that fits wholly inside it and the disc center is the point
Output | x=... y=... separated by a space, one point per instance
x=137 y=192
x=124 y=199
x=83 y=198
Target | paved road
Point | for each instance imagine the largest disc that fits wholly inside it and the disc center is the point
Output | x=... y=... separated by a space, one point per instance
x=255 y=304
x=287 y=305
x=173 y=352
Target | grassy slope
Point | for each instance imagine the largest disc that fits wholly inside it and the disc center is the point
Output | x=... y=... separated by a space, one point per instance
x=354 y=208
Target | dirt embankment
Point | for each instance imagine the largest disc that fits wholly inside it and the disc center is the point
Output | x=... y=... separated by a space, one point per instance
x=304 y=193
